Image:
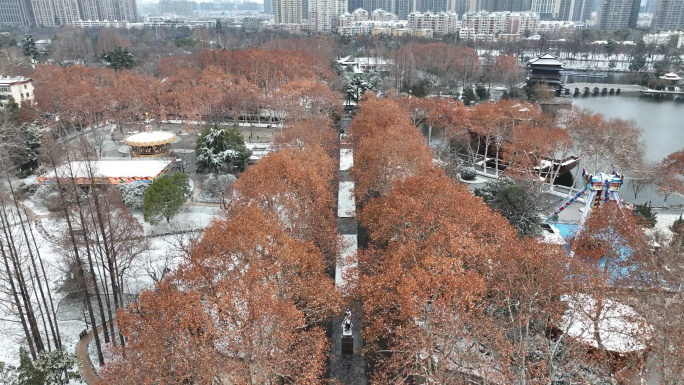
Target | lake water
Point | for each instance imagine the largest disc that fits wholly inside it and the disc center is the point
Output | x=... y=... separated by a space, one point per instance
x=662 y=121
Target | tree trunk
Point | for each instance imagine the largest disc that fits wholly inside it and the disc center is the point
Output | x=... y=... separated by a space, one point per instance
x=17 y=302
x=77 y=258
x=35 y=269
x=57 y=336
x=21 y=281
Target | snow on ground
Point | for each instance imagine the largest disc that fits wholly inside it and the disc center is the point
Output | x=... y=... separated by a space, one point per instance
x=346 y=205
x=106 y=352
x=346 y=159
x=164 y=253
x=35 y=207
x=663 y=223
x=621 y=328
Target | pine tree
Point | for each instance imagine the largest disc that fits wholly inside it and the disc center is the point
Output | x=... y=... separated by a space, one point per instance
x=119 y=58
x=164 y=197
x=221 y=149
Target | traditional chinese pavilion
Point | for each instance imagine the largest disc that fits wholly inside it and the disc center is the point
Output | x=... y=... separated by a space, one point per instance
x=546 y=70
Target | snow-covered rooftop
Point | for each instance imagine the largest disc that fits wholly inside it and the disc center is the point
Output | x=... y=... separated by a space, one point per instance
x=671 y=76
x=546 y=59
x=114 y=171
x=151 y=138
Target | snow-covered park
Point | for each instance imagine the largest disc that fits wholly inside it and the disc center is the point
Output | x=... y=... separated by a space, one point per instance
x=163 y=254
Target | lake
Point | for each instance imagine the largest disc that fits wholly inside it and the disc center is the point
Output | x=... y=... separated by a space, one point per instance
x=662 y=123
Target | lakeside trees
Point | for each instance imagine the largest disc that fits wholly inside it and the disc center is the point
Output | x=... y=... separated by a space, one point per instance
x=450 y=290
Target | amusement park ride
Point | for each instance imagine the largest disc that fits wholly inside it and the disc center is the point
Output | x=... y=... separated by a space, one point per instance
x=601 y=187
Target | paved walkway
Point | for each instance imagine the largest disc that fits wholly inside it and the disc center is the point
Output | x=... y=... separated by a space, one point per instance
x=89 y=375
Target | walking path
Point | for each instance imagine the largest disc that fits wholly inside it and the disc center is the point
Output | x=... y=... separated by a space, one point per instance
x=347 y=367
x=89 y=375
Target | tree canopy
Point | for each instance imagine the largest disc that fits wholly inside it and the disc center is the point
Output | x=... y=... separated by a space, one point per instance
x=165 y=196
x=515 y=202
x=221 y=149
x=119 y=58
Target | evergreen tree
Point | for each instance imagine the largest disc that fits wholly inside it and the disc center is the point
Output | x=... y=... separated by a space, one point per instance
x=482 y=92
x=646 y=212
x=221 y=149
x=50 y=368
x=468 y=95
x=28 y=46
x=515 y=202
x=7 y=374
x=119 y=58
x=165 y=197
x=58 y=367
x=27 y=373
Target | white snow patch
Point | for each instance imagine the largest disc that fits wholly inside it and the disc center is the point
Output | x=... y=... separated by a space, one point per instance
x=121 y=168
x=346 y=261
x=36 y=208
x=346 y=159
x=150 y=138
x=346 y=204
x=621 y=328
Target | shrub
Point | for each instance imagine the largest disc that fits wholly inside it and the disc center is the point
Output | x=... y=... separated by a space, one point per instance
x=678 y=226
x=645 y=211
x=133 y=194
x=468 y=174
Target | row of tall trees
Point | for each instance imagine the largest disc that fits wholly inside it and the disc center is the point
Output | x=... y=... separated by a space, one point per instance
x=96 y=243
x=217 y=86
x=451 y=293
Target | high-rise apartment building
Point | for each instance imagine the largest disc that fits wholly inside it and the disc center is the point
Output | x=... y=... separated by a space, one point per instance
x=617 y=14
x=268 y=7
x=353 y=5
x=402 y=8
x=372 y=5
x=323 y=14
x=649 y=6
x=580 y=10
x=499 y=5
x=552 y=9
x=287 y=11
x=16 y=13
x=668 y=15
x=440 y=22
x=65 y=12
x=475 y=24
x=432 y=5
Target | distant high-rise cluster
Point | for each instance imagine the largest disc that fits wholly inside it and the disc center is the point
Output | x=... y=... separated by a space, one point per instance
x=611 y=15
x=287 y=11
x=480 y=24
x=324 y=13
x=668 y=15
x=64 y=12
x=618 y=14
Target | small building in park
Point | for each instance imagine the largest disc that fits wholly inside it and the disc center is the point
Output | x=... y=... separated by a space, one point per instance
x=109 y=171
x=546 y=70
x=18 y=88
x=150 y=144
